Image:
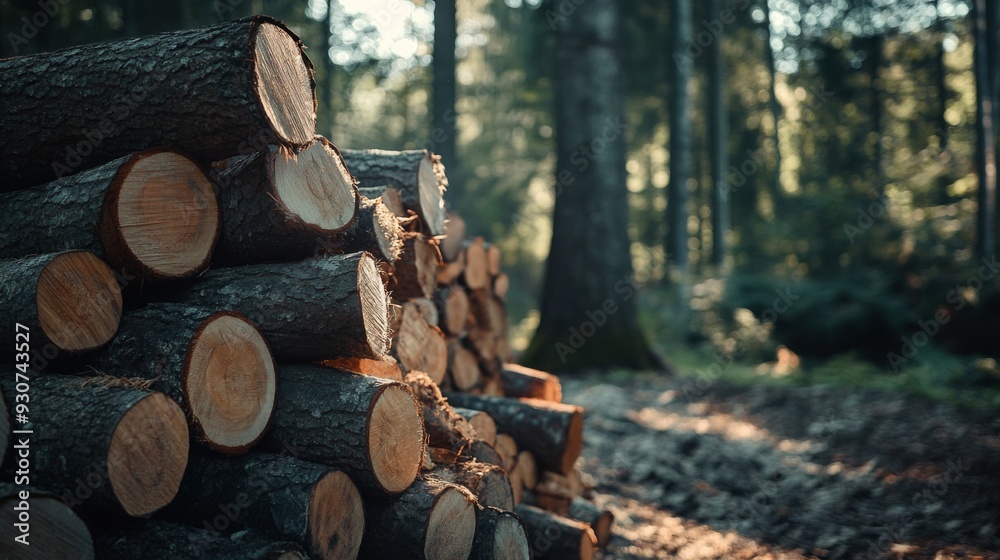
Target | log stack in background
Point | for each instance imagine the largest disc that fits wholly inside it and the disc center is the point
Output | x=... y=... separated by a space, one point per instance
x=285 y=313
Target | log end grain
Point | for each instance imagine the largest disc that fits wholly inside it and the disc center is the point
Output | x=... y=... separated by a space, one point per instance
x=454 y=237
x=420 y=346
x=451 y=526
x=315 y=186
x=160 y=217
x=477 y=268
x=483 y=423
x=510 y=542
x=56 y=532
x=524 y=382
x=79 y=302
x=431 y=184
x=336 y=517
x=284 y=83
x=230 y=382
x=148 y=454
x=394 y=452
x=463 y=368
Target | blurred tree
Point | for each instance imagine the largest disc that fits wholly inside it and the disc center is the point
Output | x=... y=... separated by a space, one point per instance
x=718 y=141
x=680 y=138
x=985 y=140
x=443 y=101
x=588 y=309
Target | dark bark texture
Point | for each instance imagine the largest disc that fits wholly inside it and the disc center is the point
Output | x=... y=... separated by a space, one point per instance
x=323 y=415
x=487 y=520
x=562 y=536
x=375 y=230
x=550 y=431
x=308 y=311
x=445 y=428
x=159 y=539
x=488 y=482
x=192 y=89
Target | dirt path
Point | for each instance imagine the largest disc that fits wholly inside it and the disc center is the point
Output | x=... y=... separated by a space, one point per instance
x=699 y=472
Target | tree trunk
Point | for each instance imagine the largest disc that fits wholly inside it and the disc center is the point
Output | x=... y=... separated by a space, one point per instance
x=499 y=534
x=589 y=260
x=119 y=448
x=70 y=302
x=415 y=273
x=212 y=92
x=445 y=428
x=600 y=520
x=375 y=229
x=152 y=214
x=418 y=174
x=680 y=137
x=444 y=87
x=942 y=78
x=453 y=310
x=985 y=144
x=482 y=423
x=370 y=427
x=62 y=534
x=774 y=104
x=489 y=483
x=718 y=131
x=312 y=310
x=552 y=432
x=419 y=346
x=875 y=81
x=159 y=539
x=281 y=205
x=556 y=537
x=521 y=382
x=431 y=520
x=217 y=366
x=280 y=497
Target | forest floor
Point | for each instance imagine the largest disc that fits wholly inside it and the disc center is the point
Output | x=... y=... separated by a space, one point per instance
x=727 y=471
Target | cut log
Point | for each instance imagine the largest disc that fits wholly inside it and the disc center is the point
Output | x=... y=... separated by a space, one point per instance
x=52 y=532
x=555 y=504
x=517 y=484
x=501 y=285
x=483 y=452
x=418 y=174
x=500 y=536
x=445 y=428
x=463 y=368
x=129 y=445
x=427 y=310
x=390 y=197
x=217 y=366
x=566 y=486
x=493 y=259
x=4 y=427
x=419 y=346
x=553 y=432
x=489 y=483
x=486 y=428
x=415 y=272
x=476 y=273
x=308 y=311
x=215 y=92
x=506 y=446
x=371 y=428
x=600 y=520
x=521 y=382
x=69 y=300
x=432 y=520
x=282 y=205
x=453 y=310
x=556 y=537
x=454 y=237
x=374 y=230
x=279 y=497
x=386 y=368
x=152 y=214
x=450 y=272
x=159 y=539
x=529 y=468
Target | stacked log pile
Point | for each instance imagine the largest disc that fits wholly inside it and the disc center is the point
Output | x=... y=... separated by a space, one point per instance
x=235 y=340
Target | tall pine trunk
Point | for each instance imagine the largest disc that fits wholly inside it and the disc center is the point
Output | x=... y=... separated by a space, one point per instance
x=775 y=107
x=589 y=314
x=680 y=138
x=718 y=130
x=444 y=95
x=985 y=142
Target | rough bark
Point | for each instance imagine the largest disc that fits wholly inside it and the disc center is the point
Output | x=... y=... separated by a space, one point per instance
x=196 y=90
x=552 y=432
x=70 y=301
x=54 y=531
x=375 y=230
x=415 y=272
x=309 y=311
x=386 y=368
x=482 y=423
x=216 y=365
x=279 y=497
x=334 y=418
x=129 y=445
x=499 y=534
x=160 y=539
x=417 y=174
x=555 y=537
x=80 y=211
x=489 y=483
x=600 y=520
x=445 y=428
x=521 y=382
x=431 y=520
x=266 y=217
x=484 y=452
